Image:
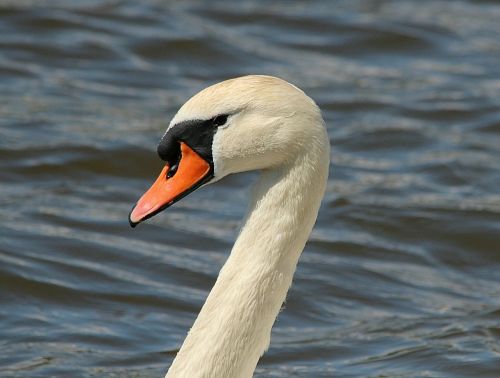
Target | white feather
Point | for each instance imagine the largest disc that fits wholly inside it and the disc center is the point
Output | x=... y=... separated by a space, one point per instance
x=274 y=127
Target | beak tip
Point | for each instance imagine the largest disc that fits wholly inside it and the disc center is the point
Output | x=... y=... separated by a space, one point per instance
x=130 y=221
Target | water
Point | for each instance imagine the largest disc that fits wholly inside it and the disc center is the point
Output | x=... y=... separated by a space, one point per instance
x=401 y=277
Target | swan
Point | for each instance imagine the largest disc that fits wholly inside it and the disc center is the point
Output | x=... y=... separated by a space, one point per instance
x=247 y=123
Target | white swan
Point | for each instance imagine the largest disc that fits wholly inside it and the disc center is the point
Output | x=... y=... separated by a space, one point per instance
x=249 y=123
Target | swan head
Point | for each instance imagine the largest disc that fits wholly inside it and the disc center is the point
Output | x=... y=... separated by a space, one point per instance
x=243 y=124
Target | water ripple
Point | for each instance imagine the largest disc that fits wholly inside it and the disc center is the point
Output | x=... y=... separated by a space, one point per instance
x=400 y=276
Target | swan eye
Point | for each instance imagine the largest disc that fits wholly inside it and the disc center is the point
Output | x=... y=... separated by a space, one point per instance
x=219 y=120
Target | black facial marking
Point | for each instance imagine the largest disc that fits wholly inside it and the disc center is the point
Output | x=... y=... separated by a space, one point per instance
x=197 y=134
x=219 y=120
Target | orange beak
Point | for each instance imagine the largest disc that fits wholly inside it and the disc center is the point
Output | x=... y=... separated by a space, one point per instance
x=190 y=175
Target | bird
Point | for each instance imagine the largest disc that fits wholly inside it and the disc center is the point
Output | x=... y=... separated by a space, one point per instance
x=250 y=123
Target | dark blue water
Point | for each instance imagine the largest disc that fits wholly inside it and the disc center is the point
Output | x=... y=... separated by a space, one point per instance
x=401 y=276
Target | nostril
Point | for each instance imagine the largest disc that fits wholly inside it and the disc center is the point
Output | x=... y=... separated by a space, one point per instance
x=173 y=170
x=174 y=159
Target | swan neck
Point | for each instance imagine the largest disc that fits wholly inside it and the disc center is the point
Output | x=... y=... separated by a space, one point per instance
x=233 y=328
